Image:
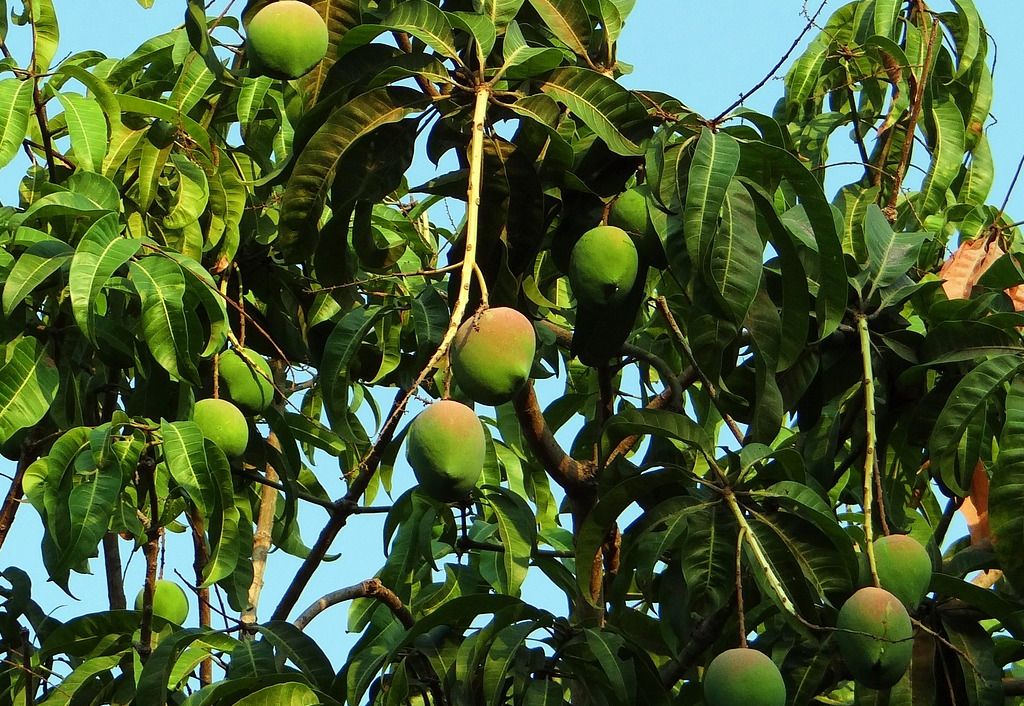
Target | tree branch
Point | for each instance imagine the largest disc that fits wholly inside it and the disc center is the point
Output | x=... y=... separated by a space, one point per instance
x=368 y=465
x=15 y=493
x=371 y=588
x=566 y=471
x=201 y=557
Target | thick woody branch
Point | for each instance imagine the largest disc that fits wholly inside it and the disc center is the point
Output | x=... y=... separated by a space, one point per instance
x=566 y=471
x=371 y=588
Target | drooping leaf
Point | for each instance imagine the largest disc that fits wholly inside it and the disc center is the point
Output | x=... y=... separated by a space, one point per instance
x=100 y=253
x=38 y=262
x=714 y=163
x=970 y=395
x=314 y=171
x=16 y=102
x=613 y=113
x=568 y=20
x=28 y=386
x=88 y=129
x=165 y=327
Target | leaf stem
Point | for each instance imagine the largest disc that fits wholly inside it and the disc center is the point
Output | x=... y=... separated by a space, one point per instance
x=869 y=442
x=739 y=587
x=758 y=551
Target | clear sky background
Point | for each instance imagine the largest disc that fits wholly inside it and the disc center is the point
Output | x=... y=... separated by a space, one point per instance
x=704 y=53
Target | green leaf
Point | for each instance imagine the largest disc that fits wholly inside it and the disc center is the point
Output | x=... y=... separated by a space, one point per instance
x=970 y=395
x=88 y=130
x=707 y=554
x=616 y=115
x=185 y=455
x=1006 y=491
x=165 y=328
x=517 y=528
x=602 y=517
x=28 y=386
x=340 y=16
x=95 y=634
x=100 y=253
x=291 y=694
x=314 y=171
x=156 y=673
x=419 y=18
x=660 y=422
x=224 y=522
x=192 y=195
x=15 y=111
x=947 y=144
x=605 y=650
x=341 y=346
x=890 y=254
x=299 y=649
x=500 y=658
x=832 y=283
x=735 y=256
x=38 y=262
x=84 y=673
x=478 y=26
x=568 y=21
x=523 y=61
x=90 y=504
x=45 y=34
x=715 y=159
x=155 y=109
x=500 y=12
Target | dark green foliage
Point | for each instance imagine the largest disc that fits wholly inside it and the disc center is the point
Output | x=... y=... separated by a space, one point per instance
x=716 y=317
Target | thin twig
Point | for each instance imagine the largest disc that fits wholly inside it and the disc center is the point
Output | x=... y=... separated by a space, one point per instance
x=768 y=77
x=15 y=493
x=200 y=559
x=371 y=588
x=709 y=387
x=263 y=536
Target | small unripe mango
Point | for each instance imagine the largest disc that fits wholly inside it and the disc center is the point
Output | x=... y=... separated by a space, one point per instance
x=629 y=212
x=247 y=384
x=743 y=677
x=875 y=637
x=169 y=601
x=224 y=424
x=492 y=355
x=904 y=568
x=446 y=449
x=603 y=266
x=287 y=39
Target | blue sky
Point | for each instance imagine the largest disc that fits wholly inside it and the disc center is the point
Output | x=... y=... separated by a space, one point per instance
x=705 y=53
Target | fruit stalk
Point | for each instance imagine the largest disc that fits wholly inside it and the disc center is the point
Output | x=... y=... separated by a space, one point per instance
x=869 y=443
